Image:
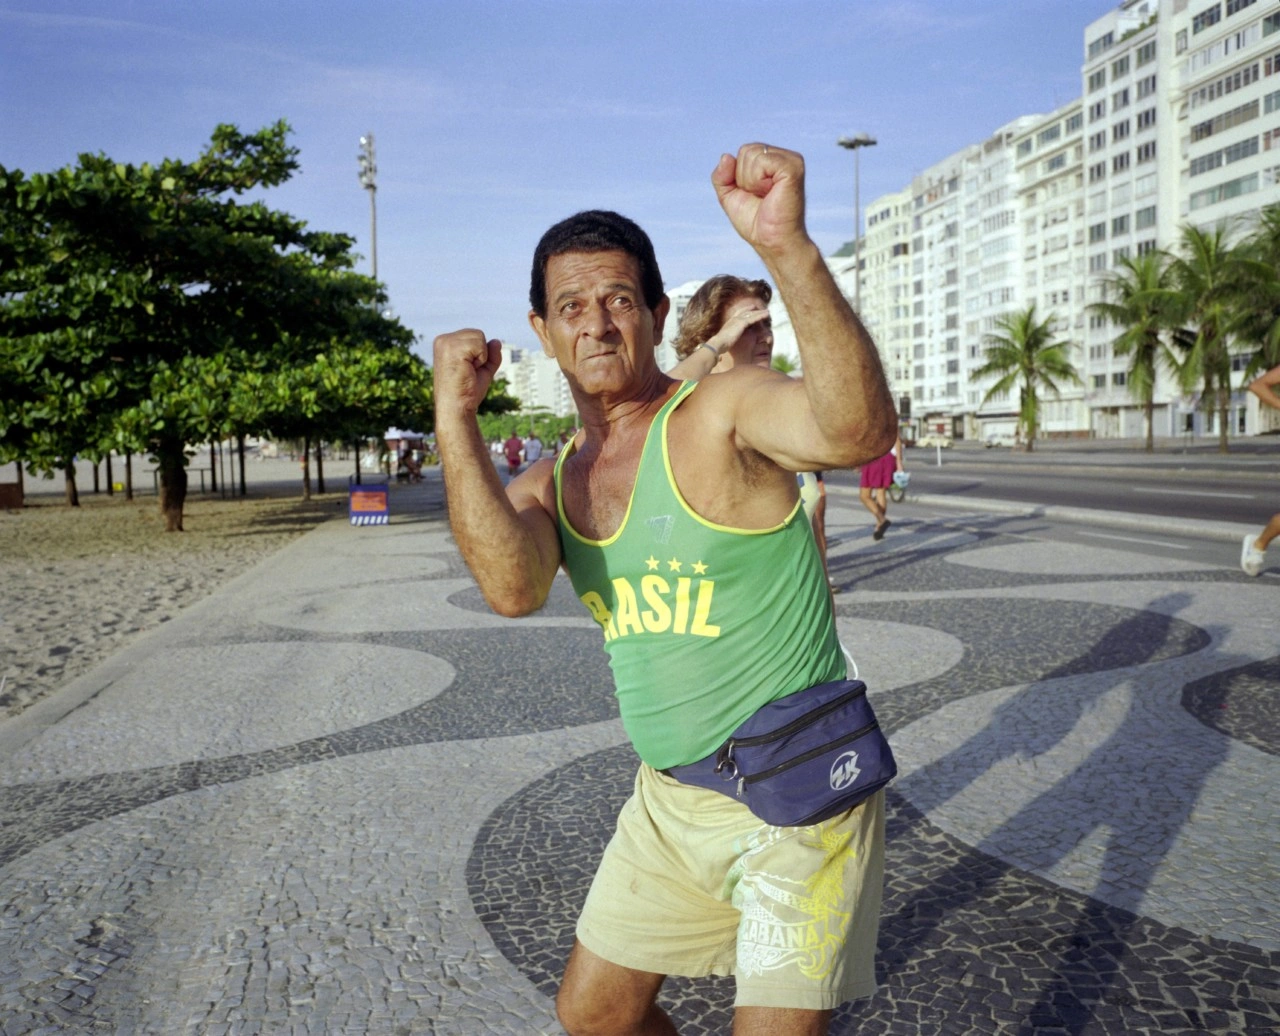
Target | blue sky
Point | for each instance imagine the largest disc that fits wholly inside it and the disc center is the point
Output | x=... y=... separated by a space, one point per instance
x=495 y=119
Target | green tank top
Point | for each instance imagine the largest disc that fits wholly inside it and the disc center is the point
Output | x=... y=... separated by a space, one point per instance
x=703 y=624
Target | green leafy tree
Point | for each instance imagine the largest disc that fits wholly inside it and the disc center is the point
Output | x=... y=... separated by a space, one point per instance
x=1142 y=301
x=1259 y=293
x=1025 y=355
x=784 y=363
x=1208 y=273
x=135 y=301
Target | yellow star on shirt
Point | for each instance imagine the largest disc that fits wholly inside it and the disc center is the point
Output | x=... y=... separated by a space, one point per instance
x=699 y=569
x=652 y=562
x=673 y=565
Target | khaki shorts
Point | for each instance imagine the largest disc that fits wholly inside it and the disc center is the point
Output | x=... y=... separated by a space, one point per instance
x=693 y=883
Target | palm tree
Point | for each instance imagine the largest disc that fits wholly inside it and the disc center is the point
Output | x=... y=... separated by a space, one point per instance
x=1209 y=274
x=1141 y=300
x=1259 y=294
x=783 y=362
x=1025 y=354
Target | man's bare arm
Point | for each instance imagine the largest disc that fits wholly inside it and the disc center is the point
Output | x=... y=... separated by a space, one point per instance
x=1261 y=387
x=507 y=537
x=841 y=413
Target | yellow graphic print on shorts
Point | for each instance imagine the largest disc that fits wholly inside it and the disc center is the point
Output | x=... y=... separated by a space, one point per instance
x=789 y=922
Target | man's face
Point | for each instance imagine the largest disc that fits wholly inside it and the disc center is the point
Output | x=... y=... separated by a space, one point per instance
x=597 y=326
x=755 y=344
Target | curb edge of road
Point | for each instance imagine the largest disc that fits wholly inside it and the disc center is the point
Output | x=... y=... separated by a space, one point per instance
x=1169 y=526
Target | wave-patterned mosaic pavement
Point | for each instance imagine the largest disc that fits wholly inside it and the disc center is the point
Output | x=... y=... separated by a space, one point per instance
x=341 y=796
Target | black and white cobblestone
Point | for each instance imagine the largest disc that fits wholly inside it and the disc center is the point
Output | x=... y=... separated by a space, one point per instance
x=342 y=796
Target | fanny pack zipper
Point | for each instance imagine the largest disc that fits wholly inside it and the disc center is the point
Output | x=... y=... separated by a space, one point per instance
x=811 y=754
x=725 y=755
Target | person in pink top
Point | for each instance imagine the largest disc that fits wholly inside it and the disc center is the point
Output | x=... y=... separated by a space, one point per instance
x=874 y=485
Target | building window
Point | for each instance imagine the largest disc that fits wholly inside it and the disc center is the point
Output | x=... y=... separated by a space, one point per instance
x=1143 y=247
x=1145 y=54
x=1074 y=122
x=1024 y=147
x=1097 y=80
x=1098 y=111
x=1270 y=24
x=1099 y=381
x=1146 y=86
x=1209 y=16
x=1120 y=162
x=1097 y=172
x=1097 y=232
x=1120 y=99
x=1237 y=5
x=1145 y=185
x=1101 y=44
x=953 y=366
x=1180 y=41
x=1119 y=131
x=1271 y=102
x=1097 y=262
x=1119 y=225
x=1047 y=135
x=1146 y=152
x=1120 y=67
x=1229 y=83
x=1097 y=141
x=1144 y=218
x=1224 y=191
x=1146 y=119
x=1118 y=379
x=1225 y=121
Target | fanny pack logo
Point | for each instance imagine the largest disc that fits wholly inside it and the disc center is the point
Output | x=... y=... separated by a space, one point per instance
x=844 y=771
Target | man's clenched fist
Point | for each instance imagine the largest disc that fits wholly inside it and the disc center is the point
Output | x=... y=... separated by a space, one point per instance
x=465 y=363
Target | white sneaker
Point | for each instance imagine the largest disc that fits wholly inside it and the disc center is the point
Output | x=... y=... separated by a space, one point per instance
x=1251 y=557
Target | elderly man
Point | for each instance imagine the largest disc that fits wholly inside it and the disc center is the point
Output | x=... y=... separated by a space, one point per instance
x=675 y=514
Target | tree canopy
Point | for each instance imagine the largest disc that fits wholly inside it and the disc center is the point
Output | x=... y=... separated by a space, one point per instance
x=151 y=307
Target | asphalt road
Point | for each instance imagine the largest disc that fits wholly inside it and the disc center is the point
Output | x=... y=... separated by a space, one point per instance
x=1241 y=487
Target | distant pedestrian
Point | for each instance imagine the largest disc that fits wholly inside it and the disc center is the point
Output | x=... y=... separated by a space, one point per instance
x=873 y=490
x=532 y=448
x=1253 y=551
x=513 y=447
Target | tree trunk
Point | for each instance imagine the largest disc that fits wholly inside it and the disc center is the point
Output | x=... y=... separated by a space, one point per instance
x=240 y=451
x=173 y=482
x=69 y=476
x=306 y=467
x=357 y=454
x=97 y=486
x=1150 y=408
x=128 y=475
x=111 y=489
x=1224 y=417
x=213 y=466
x=22 y=488
x=320 y=467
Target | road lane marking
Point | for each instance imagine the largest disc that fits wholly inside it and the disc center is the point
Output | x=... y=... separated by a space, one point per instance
x=1197 y=492
x=1135 y=539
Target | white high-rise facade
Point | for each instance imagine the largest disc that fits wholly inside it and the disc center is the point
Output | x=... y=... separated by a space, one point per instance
x=1178 y=122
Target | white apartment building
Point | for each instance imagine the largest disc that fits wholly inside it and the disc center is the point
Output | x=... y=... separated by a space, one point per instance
x=1179 y=121
x=535 y=379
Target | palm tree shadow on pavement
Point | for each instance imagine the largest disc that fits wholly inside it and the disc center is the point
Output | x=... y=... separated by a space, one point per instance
x=1080 y=806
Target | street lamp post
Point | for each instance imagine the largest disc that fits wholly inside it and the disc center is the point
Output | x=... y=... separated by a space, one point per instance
x=368 y=159
x=852 y=144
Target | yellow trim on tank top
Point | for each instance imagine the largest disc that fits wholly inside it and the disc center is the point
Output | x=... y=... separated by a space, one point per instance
x=671 y=481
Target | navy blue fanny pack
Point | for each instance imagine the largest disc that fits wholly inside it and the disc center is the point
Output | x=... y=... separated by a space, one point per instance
x=802 y=758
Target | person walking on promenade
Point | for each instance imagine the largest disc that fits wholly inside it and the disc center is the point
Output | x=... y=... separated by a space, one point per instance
x=874 y=485
x=675 y=514
x=725 y=324
x=1253 y=551
x=532 y=448
x=513 y=448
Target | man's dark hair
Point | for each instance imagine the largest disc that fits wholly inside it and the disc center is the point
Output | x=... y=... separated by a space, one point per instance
x=595 y=231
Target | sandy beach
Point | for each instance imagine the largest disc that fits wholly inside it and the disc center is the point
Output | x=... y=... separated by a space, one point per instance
x=77 y=583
